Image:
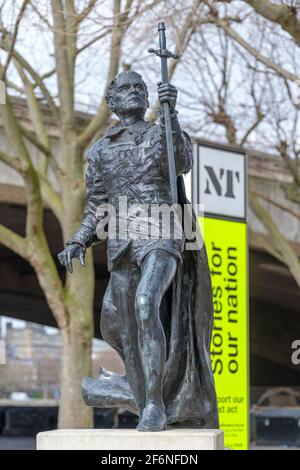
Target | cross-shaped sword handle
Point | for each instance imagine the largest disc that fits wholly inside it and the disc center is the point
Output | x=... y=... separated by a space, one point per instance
x=162 y=52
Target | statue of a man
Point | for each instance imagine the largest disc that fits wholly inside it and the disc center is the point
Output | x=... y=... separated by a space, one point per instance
x=157 y=310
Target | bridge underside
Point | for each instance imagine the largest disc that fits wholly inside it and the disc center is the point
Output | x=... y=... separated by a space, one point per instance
x=274 y=301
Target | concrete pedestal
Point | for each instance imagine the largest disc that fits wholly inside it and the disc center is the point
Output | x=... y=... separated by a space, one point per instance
x=131 y=439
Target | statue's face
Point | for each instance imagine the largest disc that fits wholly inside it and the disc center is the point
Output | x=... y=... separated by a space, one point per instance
x=130 y=94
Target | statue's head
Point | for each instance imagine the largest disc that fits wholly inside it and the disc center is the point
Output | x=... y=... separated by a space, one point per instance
x=127 y=94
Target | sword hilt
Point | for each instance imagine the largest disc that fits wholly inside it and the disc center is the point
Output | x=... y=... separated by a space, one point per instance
x=162 y=52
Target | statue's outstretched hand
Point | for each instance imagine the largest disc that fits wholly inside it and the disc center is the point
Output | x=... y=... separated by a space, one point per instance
x=70 y=252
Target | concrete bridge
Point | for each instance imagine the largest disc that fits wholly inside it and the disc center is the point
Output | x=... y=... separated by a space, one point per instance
x=274 y=295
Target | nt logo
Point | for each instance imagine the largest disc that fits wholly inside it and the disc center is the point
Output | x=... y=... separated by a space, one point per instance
x=224 y=184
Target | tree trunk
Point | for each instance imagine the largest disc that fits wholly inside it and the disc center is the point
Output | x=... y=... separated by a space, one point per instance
x=77 y=346
x=76 y=364
x=79 y=298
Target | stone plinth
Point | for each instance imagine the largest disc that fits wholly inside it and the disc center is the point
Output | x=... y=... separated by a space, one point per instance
x=131 y=439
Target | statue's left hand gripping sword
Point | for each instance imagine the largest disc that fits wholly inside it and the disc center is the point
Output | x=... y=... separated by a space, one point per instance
x=164 y=54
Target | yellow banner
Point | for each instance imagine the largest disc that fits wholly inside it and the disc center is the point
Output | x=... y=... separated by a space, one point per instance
x=226 y=243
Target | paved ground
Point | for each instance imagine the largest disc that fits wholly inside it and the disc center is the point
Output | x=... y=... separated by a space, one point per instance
x=256 y=447
x=17 y=443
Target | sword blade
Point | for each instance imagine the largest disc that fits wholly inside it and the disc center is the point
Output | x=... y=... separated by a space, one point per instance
x=166 y=109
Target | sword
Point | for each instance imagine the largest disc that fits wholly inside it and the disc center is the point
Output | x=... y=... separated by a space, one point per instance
x=164 y=55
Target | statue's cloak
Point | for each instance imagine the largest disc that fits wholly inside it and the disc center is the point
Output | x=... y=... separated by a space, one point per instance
x=187 y=317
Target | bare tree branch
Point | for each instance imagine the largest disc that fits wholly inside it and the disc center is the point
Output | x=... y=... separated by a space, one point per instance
x=36 y=10
x=36 y=119
x=276 y=204
x=52 y=198
x=12 y=161
x=254 y=52
x=48 y=74
x=13 y=241
x=64 y=74
x=86 y=11
x=14 y=38
x=259 y=119
x=292 y=164
x=93 y=41
x=48 y=153
x=71 y=21
x=4 y=44
x=284 y=15
x=103 y=112
x=34 y=140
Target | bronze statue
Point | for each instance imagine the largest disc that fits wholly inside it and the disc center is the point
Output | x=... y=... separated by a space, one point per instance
x=157 y=310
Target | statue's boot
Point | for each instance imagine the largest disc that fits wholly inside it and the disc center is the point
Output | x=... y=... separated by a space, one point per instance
x=153 y=418
x=108 y=374
x=109 y=390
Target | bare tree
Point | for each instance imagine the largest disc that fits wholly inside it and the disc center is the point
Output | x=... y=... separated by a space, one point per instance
x=77 y=33
x=225 y=99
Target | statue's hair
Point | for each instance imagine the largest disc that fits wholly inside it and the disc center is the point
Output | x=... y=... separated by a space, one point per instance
x=109 y=98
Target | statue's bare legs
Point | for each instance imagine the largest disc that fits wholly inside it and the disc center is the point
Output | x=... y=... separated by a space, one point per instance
x=157 y=273
x=133 y=327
